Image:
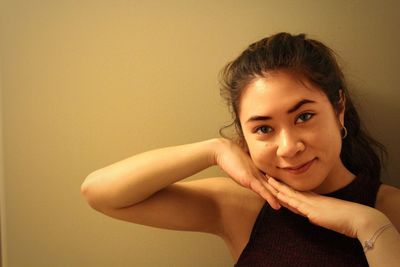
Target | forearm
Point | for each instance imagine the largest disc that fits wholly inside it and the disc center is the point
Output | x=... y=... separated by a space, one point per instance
x=132 y=180
x=386 y=245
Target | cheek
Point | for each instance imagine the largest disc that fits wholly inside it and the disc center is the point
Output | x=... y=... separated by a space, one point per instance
x=262 y=155
x=328 y=143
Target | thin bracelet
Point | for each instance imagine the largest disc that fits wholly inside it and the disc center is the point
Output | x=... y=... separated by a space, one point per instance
x=369 y=244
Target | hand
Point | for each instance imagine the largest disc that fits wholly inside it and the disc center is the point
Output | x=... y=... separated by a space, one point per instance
x=239 y=166
x=341 y=216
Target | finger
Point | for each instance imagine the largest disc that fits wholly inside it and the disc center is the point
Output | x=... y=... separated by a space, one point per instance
x=258 y=187
x=299 y=206
x=281 y=187
x=268 y=186
x=290 y=208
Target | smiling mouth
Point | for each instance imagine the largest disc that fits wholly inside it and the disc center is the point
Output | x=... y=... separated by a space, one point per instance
x=300 y=168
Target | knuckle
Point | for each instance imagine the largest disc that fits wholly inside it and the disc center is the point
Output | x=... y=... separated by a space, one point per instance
x=255 y=185
x=245 y=182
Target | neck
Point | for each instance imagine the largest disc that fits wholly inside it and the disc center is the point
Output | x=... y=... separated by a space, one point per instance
x=338 y=178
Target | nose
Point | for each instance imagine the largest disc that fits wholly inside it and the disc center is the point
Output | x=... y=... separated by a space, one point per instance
x=289 y=144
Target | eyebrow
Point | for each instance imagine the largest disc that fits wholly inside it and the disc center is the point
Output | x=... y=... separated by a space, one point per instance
x=299 y=104
x=291 y=110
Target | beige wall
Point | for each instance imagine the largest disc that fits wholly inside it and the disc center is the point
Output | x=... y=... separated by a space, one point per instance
x=3 y=253
x=87 y=83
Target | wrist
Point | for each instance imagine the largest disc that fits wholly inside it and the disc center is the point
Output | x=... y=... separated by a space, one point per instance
x=213 y=147
x=370 y=224
x=218 y=147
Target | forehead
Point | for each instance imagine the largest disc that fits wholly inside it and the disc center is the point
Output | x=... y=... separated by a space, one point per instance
x=277 y=92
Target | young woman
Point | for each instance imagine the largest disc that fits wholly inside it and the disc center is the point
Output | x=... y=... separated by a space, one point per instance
x=304 y=178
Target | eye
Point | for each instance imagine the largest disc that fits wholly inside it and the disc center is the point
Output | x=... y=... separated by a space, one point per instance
x=263 y=129
x=304 y=117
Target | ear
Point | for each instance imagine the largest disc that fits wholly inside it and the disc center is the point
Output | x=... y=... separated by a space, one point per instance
x=341 y=107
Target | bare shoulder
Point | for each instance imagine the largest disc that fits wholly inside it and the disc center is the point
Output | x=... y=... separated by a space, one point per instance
x=237 y=205
x=388 y=202
x=229 y=193
x=239 y=208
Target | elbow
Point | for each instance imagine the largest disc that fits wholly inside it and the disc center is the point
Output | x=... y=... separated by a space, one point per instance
x=90 y=191
x=85 y=190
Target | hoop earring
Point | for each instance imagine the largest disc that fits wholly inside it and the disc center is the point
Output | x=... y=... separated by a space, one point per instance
x=344 y=132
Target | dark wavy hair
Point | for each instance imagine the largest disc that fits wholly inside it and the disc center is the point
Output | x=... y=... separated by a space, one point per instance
x=313 y=60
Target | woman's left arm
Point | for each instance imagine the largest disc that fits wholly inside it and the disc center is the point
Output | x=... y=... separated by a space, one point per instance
x=377 y=234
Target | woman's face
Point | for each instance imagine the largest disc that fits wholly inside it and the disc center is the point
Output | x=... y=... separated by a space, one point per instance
x=293 y=133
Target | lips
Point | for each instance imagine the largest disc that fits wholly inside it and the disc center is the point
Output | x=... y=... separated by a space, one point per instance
x=299 y=168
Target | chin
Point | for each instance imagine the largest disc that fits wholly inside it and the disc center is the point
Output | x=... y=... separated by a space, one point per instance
x=302 y=183
x=305 y=187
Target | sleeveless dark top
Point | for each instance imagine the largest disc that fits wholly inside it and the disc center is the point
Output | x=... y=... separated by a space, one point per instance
x=283 y=238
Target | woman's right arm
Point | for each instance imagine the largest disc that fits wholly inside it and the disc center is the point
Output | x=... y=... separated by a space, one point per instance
x=133 y=180
x=139 y=188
